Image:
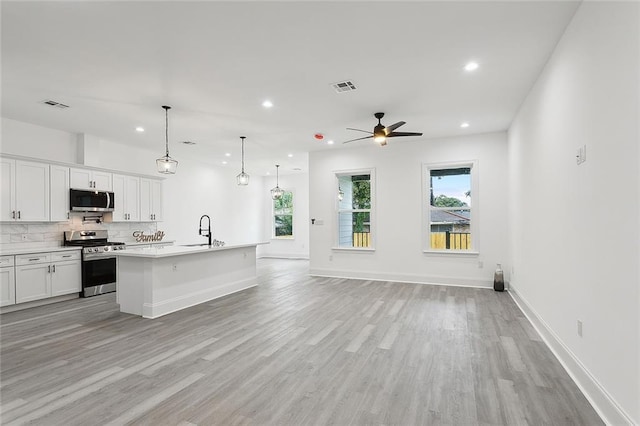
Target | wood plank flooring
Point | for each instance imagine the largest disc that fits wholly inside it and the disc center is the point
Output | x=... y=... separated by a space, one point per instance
x=295 y=350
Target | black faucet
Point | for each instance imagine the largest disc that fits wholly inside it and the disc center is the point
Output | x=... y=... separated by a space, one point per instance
x=208 y=230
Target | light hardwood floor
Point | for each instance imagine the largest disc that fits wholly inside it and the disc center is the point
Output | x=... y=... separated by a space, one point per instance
x=294 y=350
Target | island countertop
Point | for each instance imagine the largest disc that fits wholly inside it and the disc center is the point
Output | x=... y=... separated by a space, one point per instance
x=169 y=251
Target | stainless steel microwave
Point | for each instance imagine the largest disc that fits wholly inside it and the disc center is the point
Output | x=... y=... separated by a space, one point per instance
x=91 y=201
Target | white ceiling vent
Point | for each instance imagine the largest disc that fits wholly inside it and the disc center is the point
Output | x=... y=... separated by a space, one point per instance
x=344 y=86
x=54 y=104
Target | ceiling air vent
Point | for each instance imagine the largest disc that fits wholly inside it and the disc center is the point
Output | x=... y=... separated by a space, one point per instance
x=344 y=86
x=54 y=104
x=188 y=142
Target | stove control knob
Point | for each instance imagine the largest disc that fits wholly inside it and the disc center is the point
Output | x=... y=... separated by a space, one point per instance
x=107 y=248
x=89 y=250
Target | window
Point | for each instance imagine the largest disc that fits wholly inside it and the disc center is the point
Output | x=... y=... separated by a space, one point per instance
x=355 y=209
x=283 y=216
x=448 y=206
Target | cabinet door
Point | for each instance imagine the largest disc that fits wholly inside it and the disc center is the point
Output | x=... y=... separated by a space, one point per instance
x=133 y=197
x=59 y=193
x=7 y=286
x=66 y=278
x=102 y=180
x=119 y=193
x=33 y=282
x=80 y=179
x=145 y=200
x=7 y=188
x=32 y=191
x=156 y=200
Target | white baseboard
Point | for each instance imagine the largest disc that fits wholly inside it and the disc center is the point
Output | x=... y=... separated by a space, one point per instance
x=155 y=310
x=284 y=256
x=604 y=404
x=402 y=278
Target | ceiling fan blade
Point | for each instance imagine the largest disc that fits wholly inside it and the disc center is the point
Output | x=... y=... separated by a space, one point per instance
x=394 y=134
x=394 y=126
x=359 y=139
x=358 y=130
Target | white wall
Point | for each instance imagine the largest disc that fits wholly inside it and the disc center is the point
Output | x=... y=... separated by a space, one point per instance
x=298 y=247
x=574 y=230
x=399 y=252
x=196 y=189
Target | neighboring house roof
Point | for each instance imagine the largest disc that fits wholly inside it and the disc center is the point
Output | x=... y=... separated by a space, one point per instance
x=448 y=216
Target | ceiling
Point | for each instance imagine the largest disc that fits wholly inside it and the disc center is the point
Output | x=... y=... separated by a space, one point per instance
x=116 y=63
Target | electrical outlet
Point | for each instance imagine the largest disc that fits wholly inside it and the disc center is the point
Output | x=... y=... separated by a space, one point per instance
x=174 y=267
x=579 y=328
x=25 y=237
x=581 y=154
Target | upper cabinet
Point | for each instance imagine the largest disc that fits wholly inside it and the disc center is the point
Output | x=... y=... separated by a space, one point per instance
x=24 y=191
x=90 y=179
x=126 y=190
x=59 y=193
x=151 y=200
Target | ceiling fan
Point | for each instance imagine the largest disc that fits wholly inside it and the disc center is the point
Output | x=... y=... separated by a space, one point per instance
x=381 y=133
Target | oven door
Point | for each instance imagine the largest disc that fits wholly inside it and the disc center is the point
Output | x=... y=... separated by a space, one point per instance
x=98 y=275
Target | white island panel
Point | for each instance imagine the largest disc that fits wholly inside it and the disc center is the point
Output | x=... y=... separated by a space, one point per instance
x=157 y=281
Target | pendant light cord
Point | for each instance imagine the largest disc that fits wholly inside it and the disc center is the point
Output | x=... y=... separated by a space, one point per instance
x=166 y=128
x=242 y=137
x=277 y=176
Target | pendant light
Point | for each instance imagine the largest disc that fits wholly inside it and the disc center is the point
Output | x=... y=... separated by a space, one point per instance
x=166 y=165
x=276 y=193
x=243 y=178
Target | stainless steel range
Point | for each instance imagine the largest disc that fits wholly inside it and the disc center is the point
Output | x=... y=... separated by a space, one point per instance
x=99 y=264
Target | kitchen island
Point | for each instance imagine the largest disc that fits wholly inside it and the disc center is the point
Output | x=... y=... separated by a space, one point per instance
x=159 y=280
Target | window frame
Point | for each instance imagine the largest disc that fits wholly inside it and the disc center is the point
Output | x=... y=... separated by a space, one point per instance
x=293 y=216
x=372 y=215
x=473 y=208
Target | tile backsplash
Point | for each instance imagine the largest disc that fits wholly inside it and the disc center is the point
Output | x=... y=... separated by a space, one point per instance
x=42 y=235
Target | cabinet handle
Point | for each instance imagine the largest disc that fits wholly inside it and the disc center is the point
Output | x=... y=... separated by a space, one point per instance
x=67 y=215
x=67 y=255
x=13 y=214
x=49 y=269
x=54 y=268
x=34 y=259
x=18 y=214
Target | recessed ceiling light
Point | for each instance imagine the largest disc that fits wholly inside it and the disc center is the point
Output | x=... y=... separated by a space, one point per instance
x=267 y=104
x=330 y=142
x=471 y=66
x=139 y=129
x=228 y=154
x=464 y=125
x=289 y=155
x=224 y=162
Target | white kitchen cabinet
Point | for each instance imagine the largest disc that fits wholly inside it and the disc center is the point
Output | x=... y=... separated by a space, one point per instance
x=25 y=191
x=42 y=275
x=151 y=200
x=66 y=273
x=126 y=190
x=7 y=281
x=59 y=193
x=90 y=179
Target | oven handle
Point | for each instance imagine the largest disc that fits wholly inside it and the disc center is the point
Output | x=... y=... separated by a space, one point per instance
x=90 y=257
x=108 y=200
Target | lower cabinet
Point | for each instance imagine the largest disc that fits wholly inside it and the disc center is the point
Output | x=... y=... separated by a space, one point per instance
x=7 y=281
x=42 y=275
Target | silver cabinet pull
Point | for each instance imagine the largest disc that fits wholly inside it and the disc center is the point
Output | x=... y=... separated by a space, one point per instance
x=49 y=269
x=67 y=215
x=34 y=259
x=13 y=214
x=18 y=214
x=54 y=268
x=67 y=255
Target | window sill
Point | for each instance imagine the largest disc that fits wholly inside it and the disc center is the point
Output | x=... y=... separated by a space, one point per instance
x=369 y=249
x=451 y=253
x=283 y=238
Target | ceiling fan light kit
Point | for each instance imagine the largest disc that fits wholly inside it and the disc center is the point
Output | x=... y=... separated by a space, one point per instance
x=381 y=133
x=166 y=165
